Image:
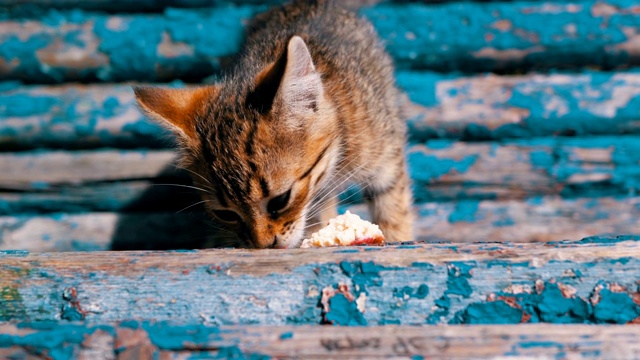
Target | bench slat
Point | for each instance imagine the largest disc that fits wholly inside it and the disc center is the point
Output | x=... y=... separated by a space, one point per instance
x=181 y=341
x=539 y=219
x=444 y=106
x=594 y=281
x=441 y=170
x=190 y=44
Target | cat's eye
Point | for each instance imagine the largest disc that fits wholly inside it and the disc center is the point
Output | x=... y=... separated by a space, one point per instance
x=227 y=216
x=278 y=203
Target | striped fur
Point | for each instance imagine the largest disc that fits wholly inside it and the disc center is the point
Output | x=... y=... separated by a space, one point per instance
x=310 y=106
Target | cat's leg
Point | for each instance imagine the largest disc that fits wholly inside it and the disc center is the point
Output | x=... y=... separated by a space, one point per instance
x=390 y=203
x=322 y=212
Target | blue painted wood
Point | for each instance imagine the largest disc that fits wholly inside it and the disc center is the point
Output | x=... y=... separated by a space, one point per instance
x=491 y=107
x=516 y=36
x=191 y=43
x=440 y=171
x=129 y=6
x=540 y=219
x=159 y=5
x=174 y=340
x=74 y=117
x=443 y=106
x=593 y=281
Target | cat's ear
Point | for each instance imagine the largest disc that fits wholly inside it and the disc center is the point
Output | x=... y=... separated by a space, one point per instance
x=292 y=81
x=301 y=87
x=174 y=108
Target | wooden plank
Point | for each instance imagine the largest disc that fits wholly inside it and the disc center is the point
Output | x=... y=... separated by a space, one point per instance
x=75 y=116
x=534 y=220
x=509 y=36
x=133 y=339
x=522 y=168
x=190 y=44
x=103 y=231
x=124 y=196
x=494 y=107
x=441 y=170
x=592 y=282
x=44 y=169
x=185 y=44
x=472 y=108
x=130 y=6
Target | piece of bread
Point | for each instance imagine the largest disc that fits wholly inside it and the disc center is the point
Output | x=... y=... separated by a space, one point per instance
x=346 y=230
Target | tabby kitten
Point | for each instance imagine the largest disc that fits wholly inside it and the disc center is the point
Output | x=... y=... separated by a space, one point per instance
x=310 y=105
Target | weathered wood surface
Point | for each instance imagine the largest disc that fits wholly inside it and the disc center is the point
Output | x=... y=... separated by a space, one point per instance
x=495 y=107
x=44 y=169
x=135 y=5
x=104 y=231
x=190 y=44
x=440 y=170
x=524 y=168
x=593 y=281
x=158 y=5
x=146 y=340
x=537 y=219
x=444 y=106
x=75 y=116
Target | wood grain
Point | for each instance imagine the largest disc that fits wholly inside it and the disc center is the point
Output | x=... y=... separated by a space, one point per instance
x=539 y=219
x=141 y=340
x=440 y=170
x=192 y=44
x=592 y=281
x=481 y=107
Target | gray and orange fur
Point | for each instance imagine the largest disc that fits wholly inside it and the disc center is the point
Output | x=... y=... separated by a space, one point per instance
x=310 y=106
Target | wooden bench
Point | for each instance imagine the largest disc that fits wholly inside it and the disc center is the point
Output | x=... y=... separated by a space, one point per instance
x=524 y=132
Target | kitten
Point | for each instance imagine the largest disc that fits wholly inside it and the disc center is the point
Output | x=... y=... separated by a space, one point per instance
x=310 y=105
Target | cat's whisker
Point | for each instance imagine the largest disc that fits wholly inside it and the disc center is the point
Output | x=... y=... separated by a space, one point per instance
x=192 y=172
x=321 y=206
x=344 y=179
x=207 y=182
x=340 y=201
x=348 y=177
x=192 y=205
x=186 y=186
x=307 y=227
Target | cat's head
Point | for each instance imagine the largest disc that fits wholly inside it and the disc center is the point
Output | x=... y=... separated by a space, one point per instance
x=261 y=148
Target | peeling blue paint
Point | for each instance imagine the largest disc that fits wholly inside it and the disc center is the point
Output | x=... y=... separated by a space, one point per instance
x=555 y=308
x=465 y=211
x=409 y=295
x=175 y=337
x=615 y=308
x=409 y=32
x=494 y=312
x=458 y=277
x=362 y=274
x=53 y=339
x=344 y=312
x=426 y=167
x=408 y=292
x=60 y=341
x=17 y=253
x=414 y=34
